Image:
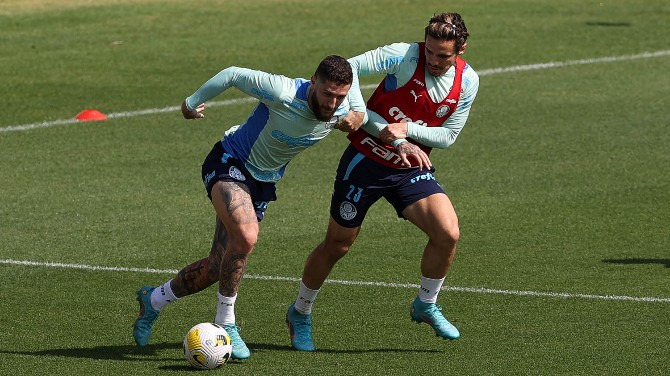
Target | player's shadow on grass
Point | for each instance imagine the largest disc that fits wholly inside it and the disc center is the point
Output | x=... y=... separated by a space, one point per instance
x=272 y=347
x=151 y=352
x=608 y=23
x=638 y=261
x=124 y=352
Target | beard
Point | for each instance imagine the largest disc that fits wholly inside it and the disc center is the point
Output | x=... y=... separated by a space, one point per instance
x=320 y=113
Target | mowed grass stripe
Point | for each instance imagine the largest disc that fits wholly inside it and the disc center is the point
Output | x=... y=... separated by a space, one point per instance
x=345 y=282
x=230 y=102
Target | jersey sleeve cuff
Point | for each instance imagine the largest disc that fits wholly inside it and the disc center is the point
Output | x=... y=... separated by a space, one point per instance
x=188 y=106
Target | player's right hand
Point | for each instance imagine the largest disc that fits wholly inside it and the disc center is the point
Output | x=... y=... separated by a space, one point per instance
x=351 y=122
x=407 y=150
x=393 y=132
x=192 y=114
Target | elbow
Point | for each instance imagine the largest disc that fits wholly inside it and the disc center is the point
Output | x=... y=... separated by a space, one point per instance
x=442 y=142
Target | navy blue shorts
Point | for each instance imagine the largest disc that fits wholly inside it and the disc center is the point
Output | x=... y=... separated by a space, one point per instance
x=360 y=182
x=221 y=166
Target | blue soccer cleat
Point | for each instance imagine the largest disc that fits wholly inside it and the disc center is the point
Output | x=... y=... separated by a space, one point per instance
x=431 y=314
x=300 y=329
x=145 y=321
x=240 y=349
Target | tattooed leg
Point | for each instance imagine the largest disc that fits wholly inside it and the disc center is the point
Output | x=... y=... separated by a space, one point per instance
x=203 y=273
x=232 y=270
x=235 y=208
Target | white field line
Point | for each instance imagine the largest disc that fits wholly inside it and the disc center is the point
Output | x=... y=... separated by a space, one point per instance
x=230 y=102
x=350 y=283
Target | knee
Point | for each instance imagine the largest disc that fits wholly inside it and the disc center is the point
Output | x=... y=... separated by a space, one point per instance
x=454 y=233
x=244 y=242
x=337 y=242
x=449 y=236
x=334 y=249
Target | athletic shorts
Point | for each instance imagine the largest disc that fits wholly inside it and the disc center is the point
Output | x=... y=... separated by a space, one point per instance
x=360 y=182
x=221 y=166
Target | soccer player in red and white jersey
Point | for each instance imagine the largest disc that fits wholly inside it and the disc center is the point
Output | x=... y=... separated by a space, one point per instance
x=422 y=103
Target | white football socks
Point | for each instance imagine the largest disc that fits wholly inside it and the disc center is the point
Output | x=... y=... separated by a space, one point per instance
x=429 y=289
x=225 y=310
x=162 y=295
x=305 y=300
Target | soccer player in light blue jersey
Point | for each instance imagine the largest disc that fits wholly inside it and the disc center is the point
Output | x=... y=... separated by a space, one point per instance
x=241 y=171
x=422 y=103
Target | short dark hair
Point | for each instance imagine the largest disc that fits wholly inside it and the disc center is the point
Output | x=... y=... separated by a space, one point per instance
x=448 y=26
x=335 y=69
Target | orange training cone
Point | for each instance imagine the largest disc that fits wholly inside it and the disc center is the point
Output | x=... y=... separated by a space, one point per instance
x=90 y=115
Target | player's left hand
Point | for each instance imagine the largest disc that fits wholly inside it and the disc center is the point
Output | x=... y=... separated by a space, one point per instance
x=407 y=150
x=192 y=114
x=351 y=122
x=393 y=132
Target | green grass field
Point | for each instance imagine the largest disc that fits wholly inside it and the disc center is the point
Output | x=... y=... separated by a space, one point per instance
x=561 y=180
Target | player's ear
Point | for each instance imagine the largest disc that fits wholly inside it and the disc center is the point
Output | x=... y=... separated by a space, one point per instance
x=313 y=79
x=462 y=49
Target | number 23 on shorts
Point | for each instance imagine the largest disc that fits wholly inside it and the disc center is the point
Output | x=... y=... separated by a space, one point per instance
x=357 y=195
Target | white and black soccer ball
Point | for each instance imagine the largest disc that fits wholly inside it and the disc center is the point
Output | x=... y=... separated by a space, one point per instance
x=207 y=346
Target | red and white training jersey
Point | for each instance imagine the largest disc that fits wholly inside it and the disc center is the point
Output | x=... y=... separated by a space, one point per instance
x=408 y=103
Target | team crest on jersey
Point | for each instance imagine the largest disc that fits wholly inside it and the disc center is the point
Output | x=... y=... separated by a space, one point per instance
x=331 y=123
x=442 y=111
x=347 y=211
x=236 y=174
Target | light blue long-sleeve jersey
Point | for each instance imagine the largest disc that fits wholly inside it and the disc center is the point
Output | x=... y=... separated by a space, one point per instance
x=399 y=61
x=281 y=126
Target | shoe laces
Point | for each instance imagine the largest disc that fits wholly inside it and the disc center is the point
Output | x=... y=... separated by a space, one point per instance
x=234 y=332
x=302 y=325
x=435 y=309
x=435 y=313
x=232 y=329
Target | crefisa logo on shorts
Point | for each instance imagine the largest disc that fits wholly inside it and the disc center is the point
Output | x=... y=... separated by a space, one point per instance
x=209 y=177
x=347 y=210
x=236 y=174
